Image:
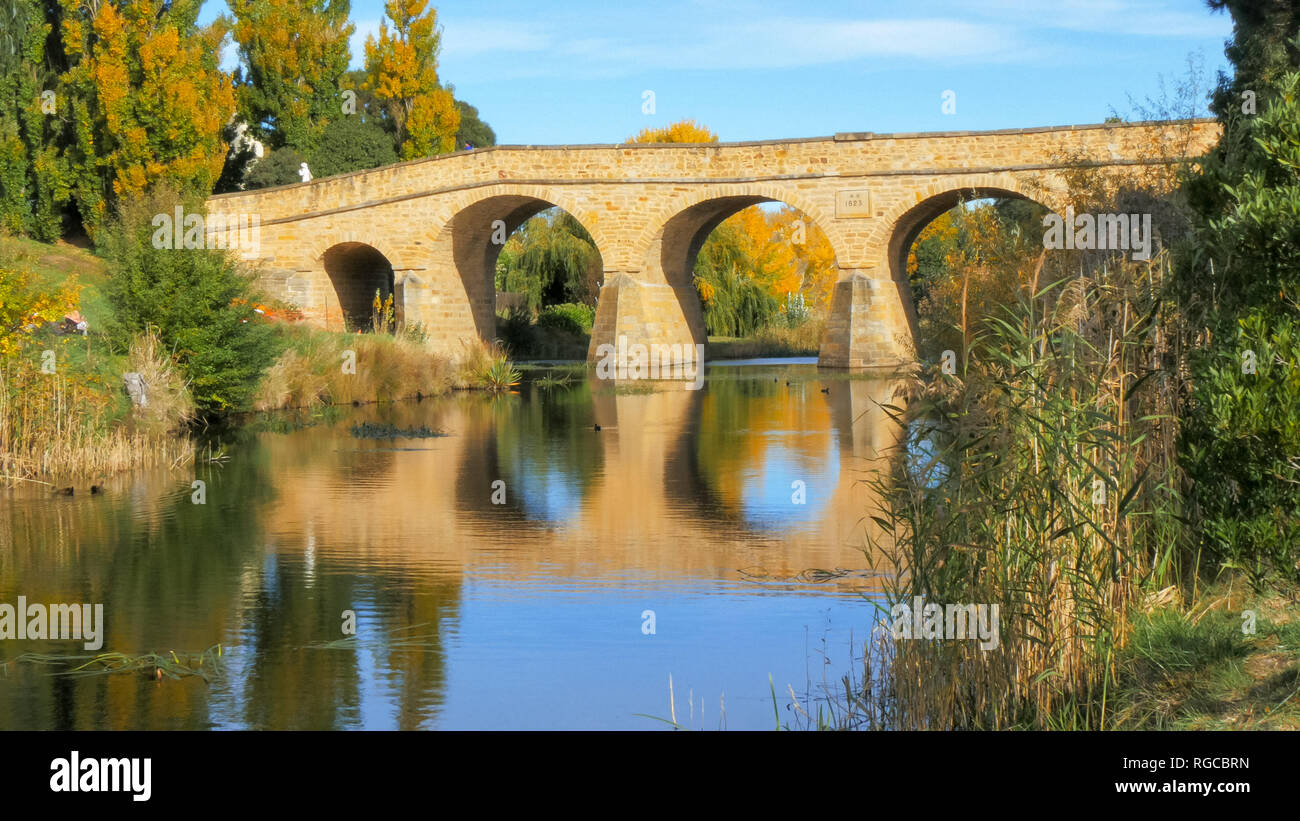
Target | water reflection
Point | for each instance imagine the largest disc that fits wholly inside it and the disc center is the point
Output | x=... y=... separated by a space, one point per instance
x=523 y=610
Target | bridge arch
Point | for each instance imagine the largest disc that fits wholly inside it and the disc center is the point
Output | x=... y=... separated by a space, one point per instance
x=693 y=216
x=356 y=271
x=905 y=221
x=464 y=250
x=657 y=301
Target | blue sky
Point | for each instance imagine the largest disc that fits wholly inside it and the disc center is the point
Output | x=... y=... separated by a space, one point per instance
x=575 y=72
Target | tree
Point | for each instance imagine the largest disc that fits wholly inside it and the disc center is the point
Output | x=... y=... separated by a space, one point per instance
x=735 y=304
x=351 y=144
x=551 y=259
x=148 y=101
x=33 y=177
x=199 y=302
x=295 y=54
x=473 y=131
x=683 y=131
x=277 y=168
x=402 y=72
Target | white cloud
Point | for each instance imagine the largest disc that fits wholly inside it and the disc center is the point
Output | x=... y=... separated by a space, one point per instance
x=467 y=38
x=1142 y=18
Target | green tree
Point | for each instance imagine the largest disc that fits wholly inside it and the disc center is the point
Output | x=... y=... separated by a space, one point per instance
x=735 y=302
x=473 y=131
x=552 y=260
x=200 y=302
x=295 y=55
x=33 y=177
x=351 y=144
x=1241 y=275
x=277 y=168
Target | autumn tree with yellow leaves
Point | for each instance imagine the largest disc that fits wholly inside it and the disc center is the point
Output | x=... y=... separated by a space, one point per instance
x=295 y=56
x=682 y=131
x=146 y=97
x=402 y=73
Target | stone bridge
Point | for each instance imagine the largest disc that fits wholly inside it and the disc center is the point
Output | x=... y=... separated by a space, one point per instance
x=425 y=229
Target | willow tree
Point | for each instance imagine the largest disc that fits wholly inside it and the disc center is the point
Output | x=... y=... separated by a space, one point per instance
x=402 y=73
x=295 y=56
x=551 y=259
x=147 y=100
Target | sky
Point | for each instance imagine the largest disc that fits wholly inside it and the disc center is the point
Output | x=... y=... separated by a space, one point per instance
x=578 y=72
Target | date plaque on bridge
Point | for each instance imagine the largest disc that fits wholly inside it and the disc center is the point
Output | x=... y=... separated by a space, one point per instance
x=851 y=204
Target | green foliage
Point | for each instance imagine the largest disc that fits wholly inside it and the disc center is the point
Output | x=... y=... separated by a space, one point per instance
x=290 y=88
x=351 y=144
x=473 y=131
x=1241 y=437
x=277 y=168
x=199 y=302
x=33 y=177
x=735 y=304
x=575 y=318
x=550 y=259
x=1240 y=447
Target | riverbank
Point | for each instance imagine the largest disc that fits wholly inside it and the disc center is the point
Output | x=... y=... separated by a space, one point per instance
x=66 y=418
x=562 y=333
x=1231 y=661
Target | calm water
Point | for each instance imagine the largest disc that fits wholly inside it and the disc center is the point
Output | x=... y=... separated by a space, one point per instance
x=470 y=614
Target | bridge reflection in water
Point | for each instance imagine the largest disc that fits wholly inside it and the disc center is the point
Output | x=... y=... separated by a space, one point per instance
x=706 y=507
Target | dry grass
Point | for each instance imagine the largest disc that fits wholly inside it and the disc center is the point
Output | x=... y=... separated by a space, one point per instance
x=772 y=341
x=312 y=371
x=169 y=406
x=59 y=427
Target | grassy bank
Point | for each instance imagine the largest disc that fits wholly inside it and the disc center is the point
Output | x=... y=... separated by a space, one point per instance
x=563 y=333
x=320 y=368
x=1231 y=661
x=772 y=341
x=65 y=417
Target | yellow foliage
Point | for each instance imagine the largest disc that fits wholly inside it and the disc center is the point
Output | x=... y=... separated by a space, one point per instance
x=787 y=254
x=684 y=131
x=158 y=101
x=24 y=307
x=402 y=71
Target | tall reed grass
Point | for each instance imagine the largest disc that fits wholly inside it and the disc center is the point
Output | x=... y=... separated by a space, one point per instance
x=1040 y=477
x=311 y=371
x=68 y=424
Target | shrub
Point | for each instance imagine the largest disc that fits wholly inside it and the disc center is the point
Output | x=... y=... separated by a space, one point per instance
x=198 y=302
x=573 y=317
x=277 y=168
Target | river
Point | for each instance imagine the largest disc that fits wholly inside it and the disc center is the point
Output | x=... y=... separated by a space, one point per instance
x=524 y=570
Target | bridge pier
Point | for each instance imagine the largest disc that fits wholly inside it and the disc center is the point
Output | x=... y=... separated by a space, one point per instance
x=647 y=314
x=871 y=323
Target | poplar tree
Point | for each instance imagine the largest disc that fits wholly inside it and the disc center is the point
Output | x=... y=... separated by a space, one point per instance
x=147 y=101
x=32 y=176
x=294 y=56
x=402 y=72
